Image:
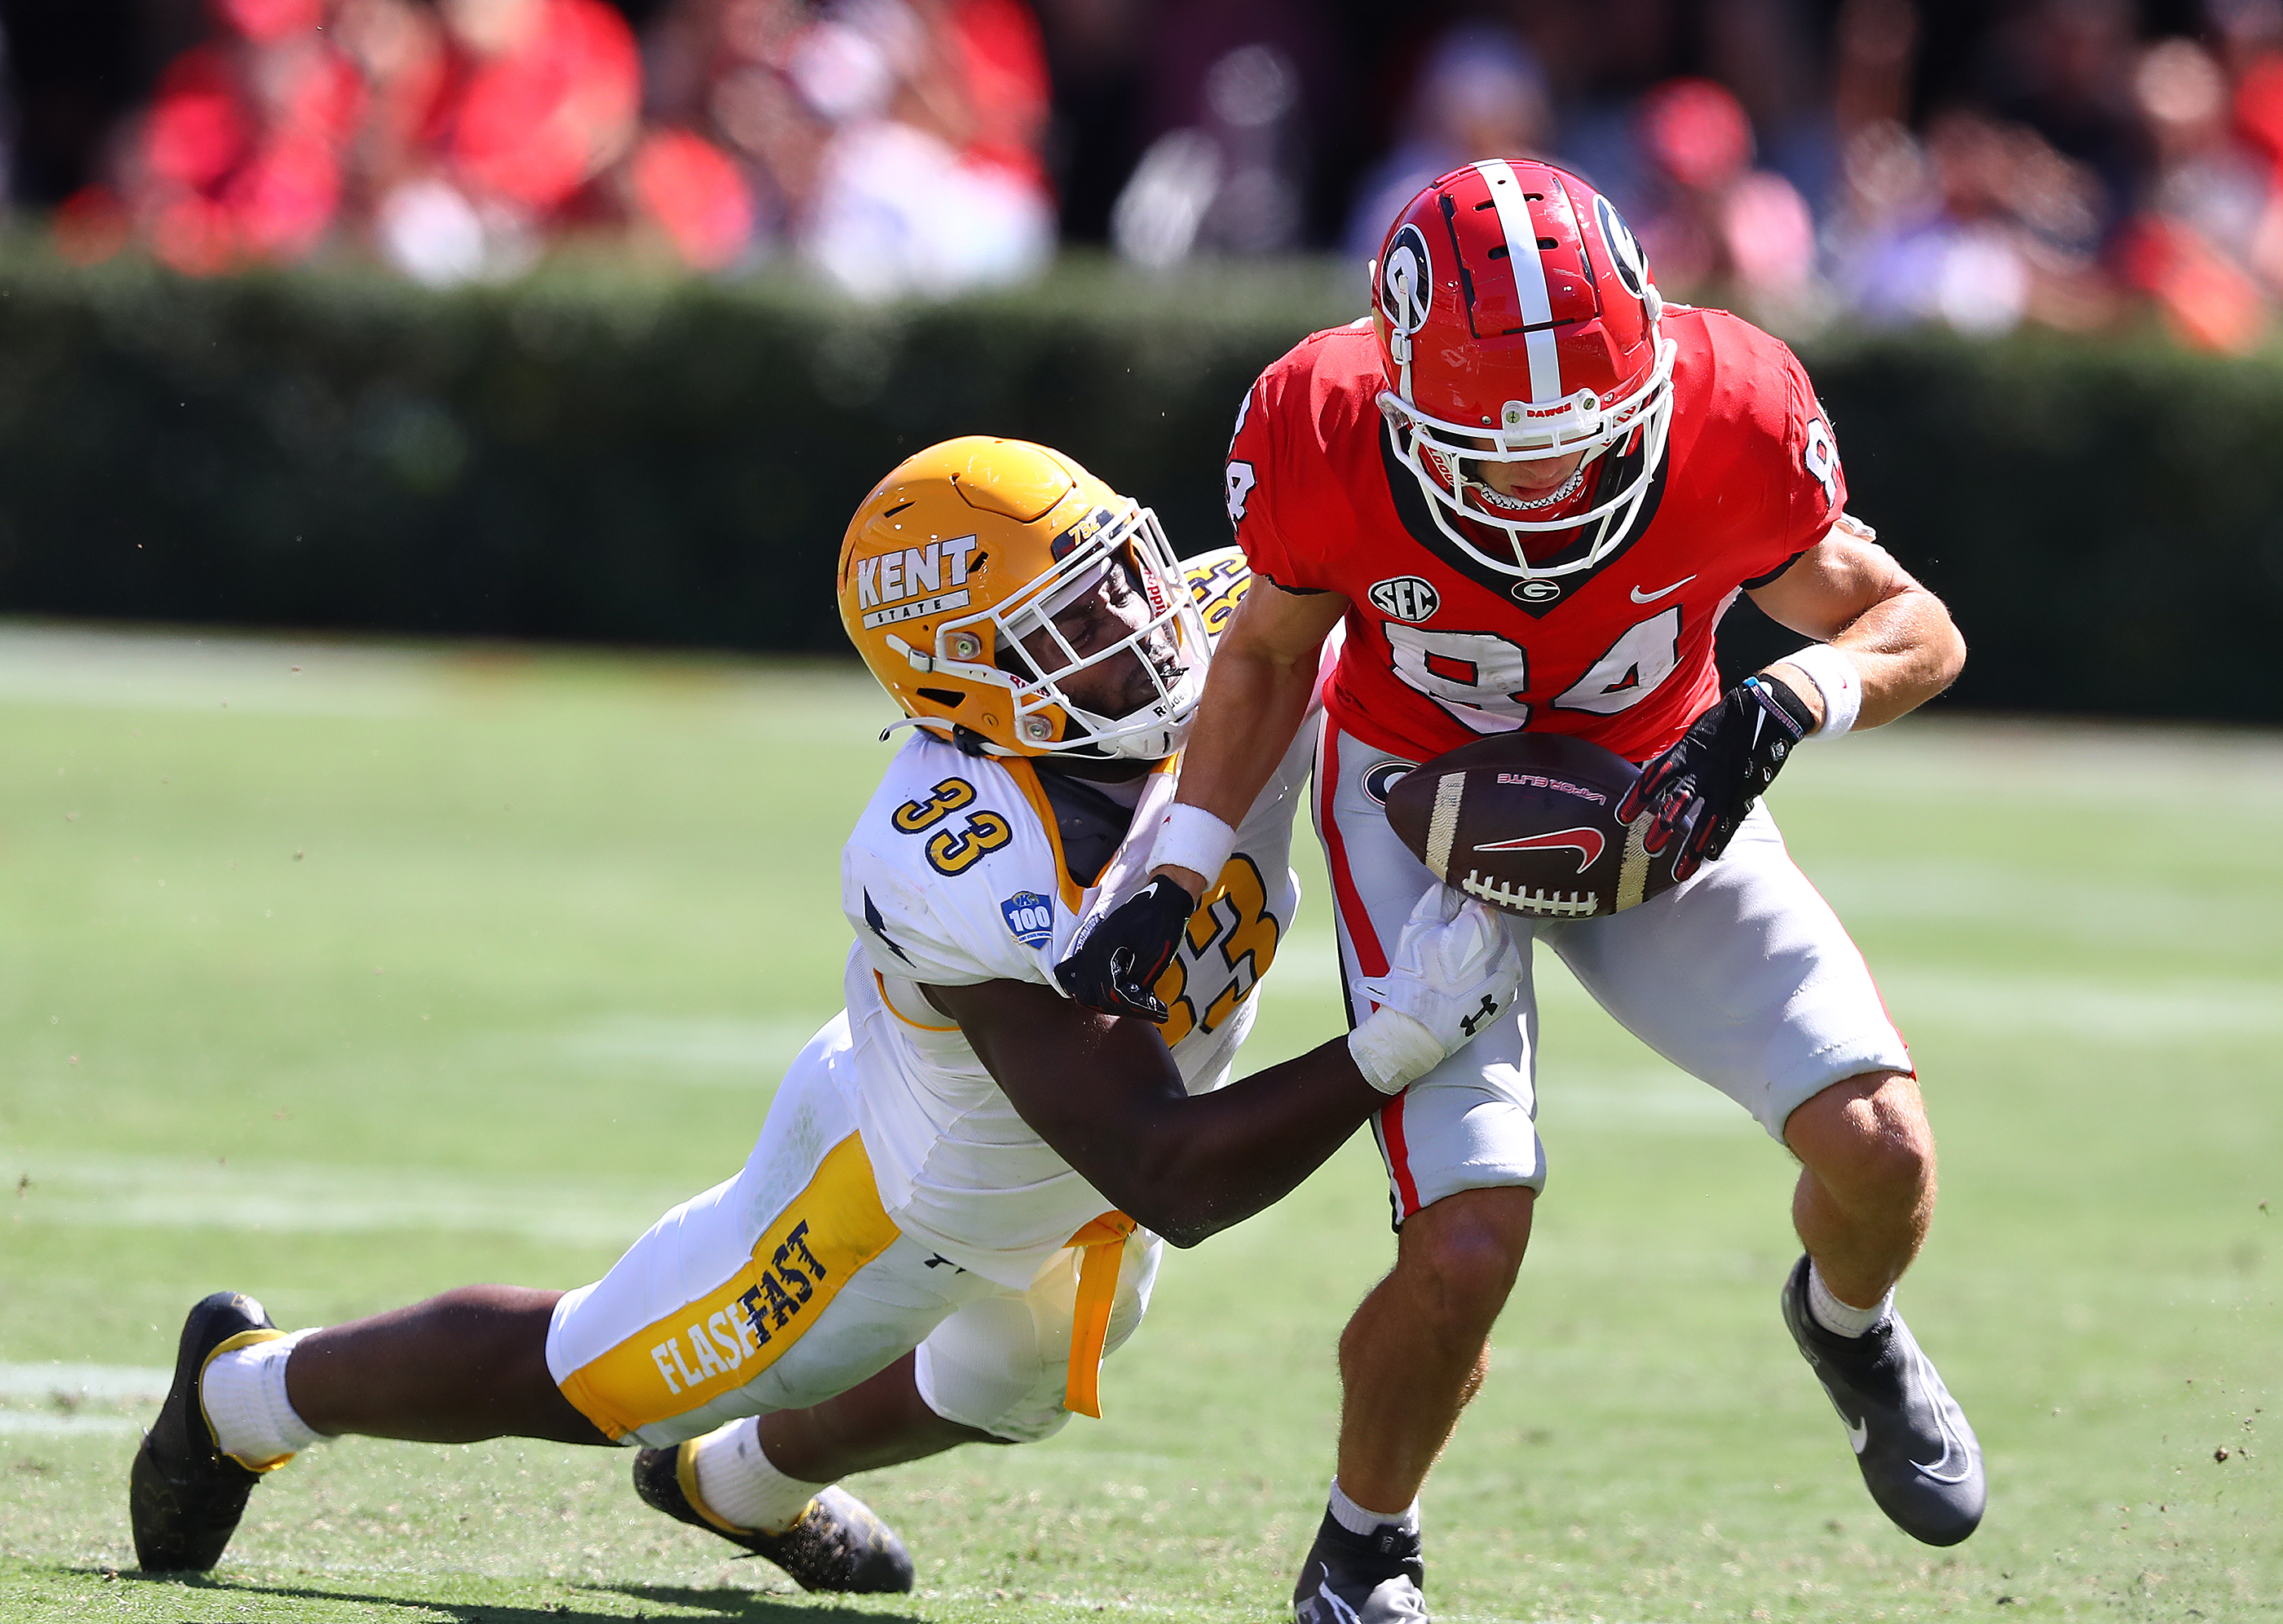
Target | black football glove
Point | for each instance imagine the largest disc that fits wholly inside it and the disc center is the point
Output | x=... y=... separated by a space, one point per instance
x=1707 y=782
x=1119 y=961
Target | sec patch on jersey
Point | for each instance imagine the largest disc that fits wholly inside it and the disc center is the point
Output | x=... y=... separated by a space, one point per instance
x=1528 y=822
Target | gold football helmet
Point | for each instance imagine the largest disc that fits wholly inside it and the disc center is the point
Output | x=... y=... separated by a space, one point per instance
x=967 y=552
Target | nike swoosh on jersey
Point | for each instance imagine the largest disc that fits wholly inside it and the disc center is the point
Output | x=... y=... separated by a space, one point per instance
x=1650 y=597
x=1858 y=1433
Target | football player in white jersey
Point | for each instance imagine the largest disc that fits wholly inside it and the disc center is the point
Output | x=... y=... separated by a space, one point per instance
x=957 y=1200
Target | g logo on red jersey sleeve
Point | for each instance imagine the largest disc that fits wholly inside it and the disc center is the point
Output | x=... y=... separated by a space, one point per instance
x=1240 y=481
x=1241 y=476
x=1820 y=454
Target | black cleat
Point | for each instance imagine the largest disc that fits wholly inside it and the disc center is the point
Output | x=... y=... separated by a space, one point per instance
x=837 y=1544
x=1920 y=1458
x=183 y=1495
x=1352 y=1578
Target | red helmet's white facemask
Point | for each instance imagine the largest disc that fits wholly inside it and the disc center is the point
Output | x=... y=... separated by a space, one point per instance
x=1518 y=324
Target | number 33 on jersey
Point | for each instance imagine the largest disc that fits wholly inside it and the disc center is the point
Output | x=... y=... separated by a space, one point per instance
x=1231 y=936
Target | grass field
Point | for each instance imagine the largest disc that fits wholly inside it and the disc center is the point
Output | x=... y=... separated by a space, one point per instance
x=340 y=975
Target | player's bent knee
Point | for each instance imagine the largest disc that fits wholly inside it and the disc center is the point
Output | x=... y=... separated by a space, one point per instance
x=1001 y=1365
x=1460 y=1254
x=996 y=1404
x=1866 y=1138
x=990 y=1368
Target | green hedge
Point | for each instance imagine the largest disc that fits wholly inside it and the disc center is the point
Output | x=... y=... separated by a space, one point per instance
x=591 y=455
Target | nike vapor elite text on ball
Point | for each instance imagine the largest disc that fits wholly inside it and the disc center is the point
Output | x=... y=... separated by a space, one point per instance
x=1528 y=822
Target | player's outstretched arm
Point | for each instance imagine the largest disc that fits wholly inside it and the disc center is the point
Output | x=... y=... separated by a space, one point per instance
x=1256 y=693
x=1103 y=1092
x=1885 y=645
x=1263 y=669
x=1848 y=592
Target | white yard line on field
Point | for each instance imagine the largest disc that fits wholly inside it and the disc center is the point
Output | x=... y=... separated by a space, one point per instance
x=164 y=672
x=715 y=1053
x=2037 y=765
x=82 y=1383
x=48 y=1423
x=2206 y=1007
x=56 y=1399
x=220 y=671
x=116 y=1192
x=1659 y=1099
x=2092 y=908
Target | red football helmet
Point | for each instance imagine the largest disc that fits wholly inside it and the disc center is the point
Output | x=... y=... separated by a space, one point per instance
x=1517 y=323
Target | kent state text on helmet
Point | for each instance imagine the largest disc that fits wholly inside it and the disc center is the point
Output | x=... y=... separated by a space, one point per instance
x=970 y=547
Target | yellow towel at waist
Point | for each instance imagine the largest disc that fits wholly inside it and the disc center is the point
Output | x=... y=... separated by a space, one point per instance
x=1101 y=1251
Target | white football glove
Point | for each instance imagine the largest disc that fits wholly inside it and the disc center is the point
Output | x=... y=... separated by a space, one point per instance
x=1453 y=971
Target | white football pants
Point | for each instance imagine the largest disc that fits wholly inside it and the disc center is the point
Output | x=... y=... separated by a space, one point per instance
x=788 y=1285
x=1741 y=976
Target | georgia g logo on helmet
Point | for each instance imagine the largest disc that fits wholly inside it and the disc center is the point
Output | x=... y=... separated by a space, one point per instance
x=1407 y=287
x=1543 y=346
x=1625 y=248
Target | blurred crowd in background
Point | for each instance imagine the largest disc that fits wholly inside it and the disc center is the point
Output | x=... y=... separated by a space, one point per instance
x=1986 y=164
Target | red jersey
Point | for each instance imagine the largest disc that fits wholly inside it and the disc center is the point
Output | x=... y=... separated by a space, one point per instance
x=1441 y=648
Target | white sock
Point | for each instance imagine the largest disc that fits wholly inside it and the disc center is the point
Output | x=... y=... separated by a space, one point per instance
x=243 y=1392
x=1356 y=1520
x=1838 y=1317
x=741 y=1487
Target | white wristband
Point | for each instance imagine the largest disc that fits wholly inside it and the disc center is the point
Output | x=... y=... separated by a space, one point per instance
x=1192 y=838
x=1392 y=1050
x=1837 y=680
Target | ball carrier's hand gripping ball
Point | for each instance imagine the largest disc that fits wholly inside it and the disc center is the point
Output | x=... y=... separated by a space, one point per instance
x=1518 y=322
x=967 y=552
x=1528 y=822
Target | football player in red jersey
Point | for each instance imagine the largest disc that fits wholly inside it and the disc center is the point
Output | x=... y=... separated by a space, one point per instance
x=1530 y=489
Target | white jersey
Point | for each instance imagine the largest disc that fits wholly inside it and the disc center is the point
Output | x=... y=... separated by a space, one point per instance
x=966 y=869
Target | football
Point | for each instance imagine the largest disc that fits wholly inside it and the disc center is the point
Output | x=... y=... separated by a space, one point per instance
x=1528 y=822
